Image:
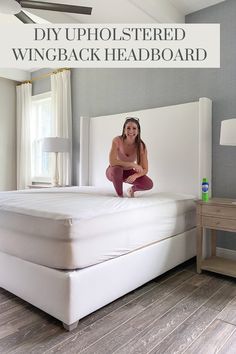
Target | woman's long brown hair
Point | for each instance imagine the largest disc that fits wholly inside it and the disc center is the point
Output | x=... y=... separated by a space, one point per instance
x=138 y=140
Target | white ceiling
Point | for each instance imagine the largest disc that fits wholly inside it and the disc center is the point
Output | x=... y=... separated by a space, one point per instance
x=122 y=11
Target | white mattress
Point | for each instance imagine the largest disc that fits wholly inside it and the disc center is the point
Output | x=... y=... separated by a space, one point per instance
x=76 y=227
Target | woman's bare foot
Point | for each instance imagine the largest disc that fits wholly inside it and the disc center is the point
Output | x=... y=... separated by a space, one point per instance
x=130 y=193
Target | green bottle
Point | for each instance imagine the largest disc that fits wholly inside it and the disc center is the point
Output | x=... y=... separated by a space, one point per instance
x=205 y=190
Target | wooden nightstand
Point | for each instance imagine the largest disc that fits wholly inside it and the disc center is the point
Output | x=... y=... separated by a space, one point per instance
x=216 y=214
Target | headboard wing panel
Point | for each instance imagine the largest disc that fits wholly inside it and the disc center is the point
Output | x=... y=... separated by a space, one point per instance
x=178 y=139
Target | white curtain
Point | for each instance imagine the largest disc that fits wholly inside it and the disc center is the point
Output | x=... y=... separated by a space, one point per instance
x=23 y=94
x=62 y=118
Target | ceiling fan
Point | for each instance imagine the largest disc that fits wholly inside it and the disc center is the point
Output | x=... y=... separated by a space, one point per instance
x=15 y=7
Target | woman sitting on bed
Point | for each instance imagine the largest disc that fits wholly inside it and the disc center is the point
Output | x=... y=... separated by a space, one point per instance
x=128 y=160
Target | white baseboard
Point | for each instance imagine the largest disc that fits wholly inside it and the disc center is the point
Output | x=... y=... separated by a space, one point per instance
x=226 y=253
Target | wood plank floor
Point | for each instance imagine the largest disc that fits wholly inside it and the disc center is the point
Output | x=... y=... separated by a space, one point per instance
x=178 y=312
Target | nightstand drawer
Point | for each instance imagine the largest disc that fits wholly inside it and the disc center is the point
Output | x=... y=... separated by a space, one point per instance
x=216 y=214
x=221 y=211
x=218 y=223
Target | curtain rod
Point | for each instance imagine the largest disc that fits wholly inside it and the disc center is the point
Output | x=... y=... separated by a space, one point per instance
x=44 y=76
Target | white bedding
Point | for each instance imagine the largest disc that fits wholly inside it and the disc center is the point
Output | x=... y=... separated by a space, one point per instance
x=75 y=227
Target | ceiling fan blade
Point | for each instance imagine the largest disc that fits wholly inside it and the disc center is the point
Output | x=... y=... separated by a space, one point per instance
x=40 y=5
x=24 y=18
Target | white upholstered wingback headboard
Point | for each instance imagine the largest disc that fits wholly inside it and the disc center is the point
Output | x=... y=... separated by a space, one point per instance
x=178 y=139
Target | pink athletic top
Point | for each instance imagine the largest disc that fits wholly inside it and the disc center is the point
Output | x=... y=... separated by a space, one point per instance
x=121 y=155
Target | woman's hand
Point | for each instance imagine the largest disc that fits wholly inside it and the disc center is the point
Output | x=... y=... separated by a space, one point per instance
x=132 y=178
x=138 y=168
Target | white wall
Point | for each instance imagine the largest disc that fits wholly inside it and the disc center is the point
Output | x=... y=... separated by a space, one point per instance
x=7 y=134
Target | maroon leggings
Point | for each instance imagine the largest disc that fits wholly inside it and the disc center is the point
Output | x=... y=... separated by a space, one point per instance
x=117 y=175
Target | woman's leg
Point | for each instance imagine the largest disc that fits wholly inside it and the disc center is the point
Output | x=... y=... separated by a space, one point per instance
x=115 y=175
x=126 y=174
x=142 y=184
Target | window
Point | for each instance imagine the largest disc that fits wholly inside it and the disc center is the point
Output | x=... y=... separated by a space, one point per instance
x=41 y=126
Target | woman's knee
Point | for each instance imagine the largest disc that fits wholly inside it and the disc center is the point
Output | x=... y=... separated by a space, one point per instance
x=117 y=168
x=148 y=184
x=114 y=172
x=143 y=183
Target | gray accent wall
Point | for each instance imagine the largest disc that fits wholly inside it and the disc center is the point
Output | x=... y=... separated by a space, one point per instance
x=107 y=91
x=42 y=85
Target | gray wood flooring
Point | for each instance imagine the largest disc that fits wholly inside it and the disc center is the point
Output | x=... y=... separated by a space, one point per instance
x=178 y=312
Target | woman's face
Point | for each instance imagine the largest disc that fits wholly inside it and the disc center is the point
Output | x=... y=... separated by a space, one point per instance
x=131 y=130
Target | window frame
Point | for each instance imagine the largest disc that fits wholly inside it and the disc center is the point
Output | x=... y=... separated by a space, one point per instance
x=40 y=179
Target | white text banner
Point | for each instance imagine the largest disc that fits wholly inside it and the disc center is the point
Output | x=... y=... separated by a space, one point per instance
x=110 y=46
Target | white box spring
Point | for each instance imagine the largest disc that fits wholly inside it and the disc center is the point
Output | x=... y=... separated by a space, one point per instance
x=76 y=227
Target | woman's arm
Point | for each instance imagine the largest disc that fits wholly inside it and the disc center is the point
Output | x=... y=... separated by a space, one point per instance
x=115 y=162
x=143 y=164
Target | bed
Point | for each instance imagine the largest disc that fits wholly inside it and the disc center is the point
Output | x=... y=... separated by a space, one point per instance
x=86 y=247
